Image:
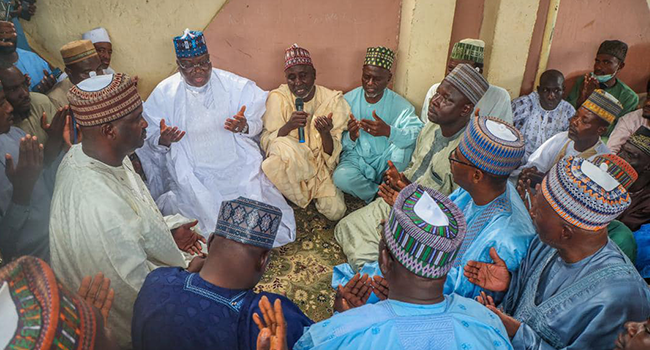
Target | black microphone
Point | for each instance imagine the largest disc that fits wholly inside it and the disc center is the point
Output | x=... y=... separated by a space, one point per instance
x=301 y=131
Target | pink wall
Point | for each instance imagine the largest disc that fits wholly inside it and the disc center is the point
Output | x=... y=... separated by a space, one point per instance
x=249 y=37
x=583 y=24
x=468 y=18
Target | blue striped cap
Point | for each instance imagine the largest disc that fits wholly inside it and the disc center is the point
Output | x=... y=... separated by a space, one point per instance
x=492 y=145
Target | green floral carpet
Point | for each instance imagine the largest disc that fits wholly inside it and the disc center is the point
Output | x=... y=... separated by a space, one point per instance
x=302 y=270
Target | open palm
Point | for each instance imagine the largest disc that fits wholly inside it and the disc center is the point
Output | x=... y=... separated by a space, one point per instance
x=494 y=277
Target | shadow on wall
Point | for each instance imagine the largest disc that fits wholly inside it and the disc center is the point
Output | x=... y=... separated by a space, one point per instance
x=249 y=37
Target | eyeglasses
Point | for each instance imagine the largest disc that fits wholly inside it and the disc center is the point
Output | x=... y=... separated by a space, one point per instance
x=452 y=159
x=205 y=65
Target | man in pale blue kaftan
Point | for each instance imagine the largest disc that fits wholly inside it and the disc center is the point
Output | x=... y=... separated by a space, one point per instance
x=455 y=323
x=567 y=306
x=364 y=160
x=503 y=224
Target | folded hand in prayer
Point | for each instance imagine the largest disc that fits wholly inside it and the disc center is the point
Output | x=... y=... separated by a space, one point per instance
x=169 y=134
x=494 y=277
x=511 y=324
x=377 y=127
x=353 y=127
x=324 y=124
x=24 y=175
x=355 y=293
x=380 y=287
x=272 y=325
x=187 y=240
x=238 y=123
x=97 y=292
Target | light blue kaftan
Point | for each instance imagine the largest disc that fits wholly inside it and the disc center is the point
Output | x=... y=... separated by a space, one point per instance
x=455 y=323
x=364 y=161
x=582 y=305
x=504 y=224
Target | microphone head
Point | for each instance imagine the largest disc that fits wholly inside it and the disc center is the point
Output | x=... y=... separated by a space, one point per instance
x=299 y=103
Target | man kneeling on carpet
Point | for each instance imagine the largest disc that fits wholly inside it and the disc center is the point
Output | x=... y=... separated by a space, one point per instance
x=213 y=309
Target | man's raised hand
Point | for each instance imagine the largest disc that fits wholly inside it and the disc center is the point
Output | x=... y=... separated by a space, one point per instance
x=238 y=122
x=24 y=175
x=494 y=277
x=377 y=127
x=272 y=325
x=7 y=34
x=187 y=239
x=169 y=134
x=96 y=291
x=56 y=128
x=380 y=287
x=353 y=127
x=355 y=293
x=47 y=83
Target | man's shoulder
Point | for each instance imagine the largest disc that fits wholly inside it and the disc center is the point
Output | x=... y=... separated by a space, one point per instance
x=231 y=77
x=41 y=102
x=165 y=276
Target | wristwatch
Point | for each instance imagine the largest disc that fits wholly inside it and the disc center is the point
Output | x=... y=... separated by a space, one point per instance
x=245 y=129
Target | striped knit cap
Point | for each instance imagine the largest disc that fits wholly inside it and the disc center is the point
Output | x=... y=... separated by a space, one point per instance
x=604 y=105
x=492 y=145
x=468 y=81
x=77 y=51
x=617 y=167
x=103 y=99
x=46 y=314
x=583 y=194
x=424 y=231
x=641 y=139
x=296 y=55
x=380 y=57
x=468 y=50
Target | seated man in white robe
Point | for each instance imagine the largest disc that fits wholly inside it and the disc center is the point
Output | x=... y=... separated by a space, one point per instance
x=102 y=217
x=219 y=158
x=495 y=102
x=590 y=122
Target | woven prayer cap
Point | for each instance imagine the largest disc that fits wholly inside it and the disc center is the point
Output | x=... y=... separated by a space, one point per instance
x=249 y=221
x=641 y=139
x=380 y=57
x=296 y=55
x=468 y=50
x=614 y=48
x=190 y=44
x=492 y=145
x=584 y=194
x=604 y=105
x=39 y=312
x=77 y=51
x=103 y=99
x=468 y=81
x=617 y=167
x=424 y=231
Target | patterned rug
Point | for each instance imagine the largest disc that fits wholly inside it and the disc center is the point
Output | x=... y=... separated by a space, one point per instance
x=302 y=270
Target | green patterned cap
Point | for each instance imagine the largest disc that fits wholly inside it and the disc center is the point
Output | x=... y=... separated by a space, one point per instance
x=379 y=56
x=468 y=50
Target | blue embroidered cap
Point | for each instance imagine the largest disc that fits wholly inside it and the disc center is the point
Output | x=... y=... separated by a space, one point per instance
x=190 y=44
x=249 y=221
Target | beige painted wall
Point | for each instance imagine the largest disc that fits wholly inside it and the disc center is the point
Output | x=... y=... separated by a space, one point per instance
x=141 y=31
x=425 y=33
x=507 y=31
